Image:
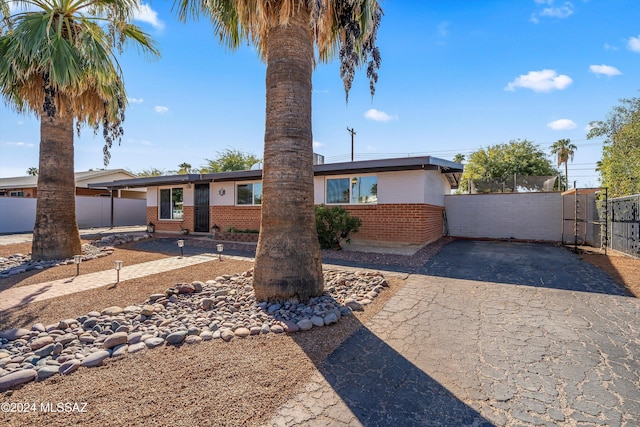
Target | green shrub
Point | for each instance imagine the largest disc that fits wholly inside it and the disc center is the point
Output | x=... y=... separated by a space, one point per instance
x=334 y=224
x=233 y=229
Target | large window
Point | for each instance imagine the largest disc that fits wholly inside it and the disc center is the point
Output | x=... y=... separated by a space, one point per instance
x=249 y=194
x=171 y=203
x=352 y=190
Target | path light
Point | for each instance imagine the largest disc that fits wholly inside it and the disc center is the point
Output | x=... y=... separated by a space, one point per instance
x=77 y=259
x=117 y=265
x=220 y=248
x=181 y=246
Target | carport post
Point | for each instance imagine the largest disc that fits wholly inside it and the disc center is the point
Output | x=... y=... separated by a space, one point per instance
x=111 y=193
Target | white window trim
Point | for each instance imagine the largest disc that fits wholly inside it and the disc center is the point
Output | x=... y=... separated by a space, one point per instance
x=349 y=177
x=170 y=187
x=235 y=193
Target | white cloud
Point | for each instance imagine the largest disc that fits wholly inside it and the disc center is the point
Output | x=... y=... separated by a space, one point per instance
x=20 y=144
x=135 y=100
x=318 y=144
x=607 y=46
x=161 y=109
x=607 y=70
x=20 y=123
x=562 y=124
x=379 y=116
x=540 y=81
x=144 y=13
x=559 y=12
x=634 y=44
x=443 y=29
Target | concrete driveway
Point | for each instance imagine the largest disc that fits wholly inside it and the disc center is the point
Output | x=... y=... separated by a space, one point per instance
x=490 y=333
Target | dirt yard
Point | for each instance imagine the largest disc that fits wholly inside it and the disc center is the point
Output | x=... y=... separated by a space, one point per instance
x=213 y=383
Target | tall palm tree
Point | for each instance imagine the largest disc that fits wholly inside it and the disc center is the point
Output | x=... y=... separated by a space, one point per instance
x=459 y=158
x=57 y=61
x=564 y=150
x=288 y=259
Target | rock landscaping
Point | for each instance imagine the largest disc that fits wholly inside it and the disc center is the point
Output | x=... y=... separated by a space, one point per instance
x=188 y=313
x=19 y=263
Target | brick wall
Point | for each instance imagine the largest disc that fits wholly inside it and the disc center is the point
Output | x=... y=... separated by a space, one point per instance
x=402 y=223
x=240 y=217
x=171 y=225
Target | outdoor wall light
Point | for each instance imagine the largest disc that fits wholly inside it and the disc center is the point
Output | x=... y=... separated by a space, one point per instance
x=77 y=259
x=220 y=248
x=181 y=246
x=151 y=227
x=117 y=265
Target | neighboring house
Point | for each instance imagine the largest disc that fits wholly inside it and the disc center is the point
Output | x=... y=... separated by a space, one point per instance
x=399 y=200
x=27 y=186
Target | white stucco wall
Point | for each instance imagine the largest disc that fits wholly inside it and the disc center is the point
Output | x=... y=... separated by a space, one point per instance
x=152 y=196
x=401 y=187
x=227 y=199
x=19 y=214
x=526 y=216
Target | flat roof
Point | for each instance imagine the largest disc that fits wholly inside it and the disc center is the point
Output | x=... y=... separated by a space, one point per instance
x=452 y=170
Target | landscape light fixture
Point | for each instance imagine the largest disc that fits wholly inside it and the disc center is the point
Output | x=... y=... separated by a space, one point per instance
x=181 y=246
x=77 y=259
x=220 y=248
x=117 y=265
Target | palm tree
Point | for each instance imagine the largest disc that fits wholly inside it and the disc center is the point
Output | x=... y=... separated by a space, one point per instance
x=288 y=261
x=564 y=150
x=459 y=158
x=185 y=168
x=57 y=61
x=32 y=171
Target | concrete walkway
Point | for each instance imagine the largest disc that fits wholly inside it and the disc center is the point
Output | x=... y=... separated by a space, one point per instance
x=21 y=295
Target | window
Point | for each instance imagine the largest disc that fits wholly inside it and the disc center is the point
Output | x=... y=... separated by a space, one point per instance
x=16 y=193
x=352 y=190
x=171 y=205
x=249 y=194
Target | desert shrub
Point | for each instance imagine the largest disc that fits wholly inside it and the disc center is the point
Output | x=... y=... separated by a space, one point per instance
x=334 y=224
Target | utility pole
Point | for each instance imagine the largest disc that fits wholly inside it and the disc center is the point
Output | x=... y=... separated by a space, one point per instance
x=352 y=132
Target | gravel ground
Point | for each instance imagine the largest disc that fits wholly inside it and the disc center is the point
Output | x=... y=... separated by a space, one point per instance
x=213 y=383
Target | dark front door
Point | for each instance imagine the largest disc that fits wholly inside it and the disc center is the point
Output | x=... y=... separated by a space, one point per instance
x=201 y=205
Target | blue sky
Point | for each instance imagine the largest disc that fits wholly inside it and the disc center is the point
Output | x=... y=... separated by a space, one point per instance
x=456 y=76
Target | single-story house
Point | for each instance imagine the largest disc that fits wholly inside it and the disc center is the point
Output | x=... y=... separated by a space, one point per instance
x=399 y=200
x=27 y=186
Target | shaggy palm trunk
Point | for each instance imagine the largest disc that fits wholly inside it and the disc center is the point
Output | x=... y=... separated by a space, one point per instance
x=55 y=235
x=566 y=173
x=288 y=260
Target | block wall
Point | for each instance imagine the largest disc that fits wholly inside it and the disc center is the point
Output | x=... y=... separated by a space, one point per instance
x=523 y=216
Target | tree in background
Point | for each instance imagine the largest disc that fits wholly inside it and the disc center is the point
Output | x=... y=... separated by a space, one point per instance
x=57 y=61
x=32 y=171
x=501 y=162
x=144 y=173
x=230 y=159
x=459 y=158
x=620 y=164
x=564 y=150
x=287 y=35
x=185 y=168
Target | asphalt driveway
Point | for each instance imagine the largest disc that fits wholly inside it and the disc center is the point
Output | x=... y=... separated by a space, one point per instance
x=490 y=333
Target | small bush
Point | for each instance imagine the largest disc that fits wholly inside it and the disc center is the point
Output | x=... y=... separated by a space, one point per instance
x=334 y=224
x=233 y=229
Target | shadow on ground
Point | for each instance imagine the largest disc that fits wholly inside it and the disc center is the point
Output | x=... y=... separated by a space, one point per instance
x=380 y=387
x=529 y=264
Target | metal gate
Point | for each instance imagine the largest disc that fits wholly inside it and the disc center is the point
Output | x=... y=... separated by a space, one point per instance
x=624 y=225
x=201 y=208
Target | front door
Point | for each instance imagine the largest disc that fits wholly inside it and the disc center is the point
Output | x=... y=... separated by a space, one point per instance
x=201 y=205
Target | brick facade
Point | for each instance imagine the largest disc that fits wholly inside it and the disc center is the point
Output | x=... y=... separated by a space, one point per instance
x=240 y=217
x=402 y=223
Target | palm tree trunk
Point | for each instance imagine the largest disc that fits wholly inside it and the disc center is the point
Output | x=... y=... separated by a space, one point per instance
x=566 y=173
x=288 y=259
x=55 y=235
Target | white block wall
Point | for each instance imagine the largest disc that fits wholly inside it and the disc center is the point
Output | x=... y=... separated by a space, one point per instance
x=526 y=216
x=19 y=214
